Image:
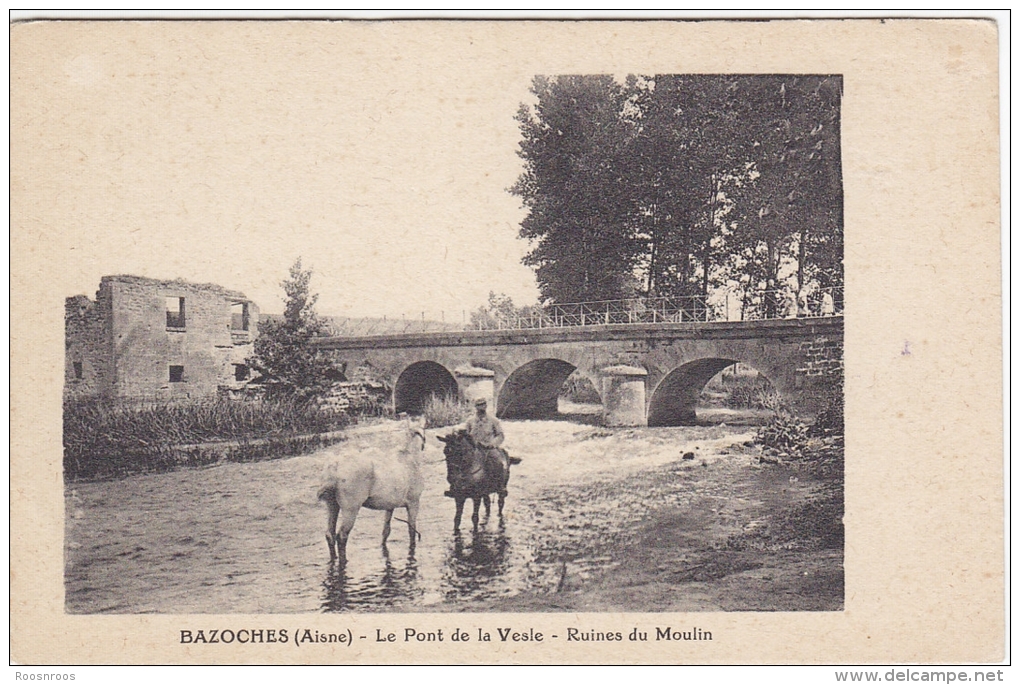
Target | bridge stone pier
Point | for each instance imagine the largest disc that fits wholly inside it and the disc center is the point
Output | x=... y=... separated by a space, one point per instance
x=647 y=374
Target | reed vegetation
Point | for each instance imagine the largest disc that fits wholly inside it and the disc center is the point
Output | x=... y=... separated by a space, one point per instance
x=103 y=439
x=445 y=411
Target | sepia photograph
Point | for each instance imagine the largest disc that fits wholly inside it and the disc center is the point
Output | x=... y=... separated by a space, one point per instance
x=672 y=397
x=369 y=321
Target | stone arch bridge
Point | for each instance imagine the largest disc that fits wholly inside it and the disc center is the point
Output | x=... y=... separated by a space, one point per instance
x=647 y=374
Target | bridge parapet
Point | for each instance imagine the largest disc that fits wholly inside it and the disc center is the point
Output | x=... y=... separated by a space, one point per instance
x=751 y=306
x=774 y=328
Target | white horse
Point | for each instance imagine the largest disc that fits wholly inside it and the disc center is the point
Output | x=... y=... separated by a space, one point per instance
x=376 y=479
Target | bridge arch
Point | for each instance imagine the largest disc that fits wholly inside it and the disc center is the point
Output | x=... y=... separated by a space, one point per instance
x=801 y=358
x=532 y=390
x=420 y=381
x=675 y=399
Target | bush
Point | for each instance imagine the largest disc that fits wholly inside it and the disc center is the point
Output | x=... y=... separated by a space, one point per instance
x=579 y=390
x=742 y=397
x=829 y=422
x=783 y=433
x=445 y=411
x=103 y=439
x=827 y=431
x=741 y=391
x=819 y=452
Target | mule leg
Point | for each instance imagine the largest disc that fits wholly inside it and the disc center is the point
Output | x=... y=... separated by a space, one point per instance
x=474 y=514
x=502 y=493
x=332 y=512
x=460 y=511
x=386 y=526
x=349 y=515
x=412 y=524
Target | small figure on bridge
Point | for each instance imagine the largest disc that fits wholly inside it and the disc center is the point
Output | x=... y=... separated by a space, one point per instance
x=828 y=306
x=803 y=309
x=792 y=306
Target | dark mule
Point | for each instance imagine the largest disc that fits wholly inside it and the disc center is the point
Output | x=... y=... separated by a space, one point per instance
x=475 y=473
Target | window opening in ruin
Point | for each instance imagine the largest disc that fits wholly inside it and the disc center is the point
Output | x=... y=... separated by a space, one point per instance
x=78 y=372
x=176 y=374
x=175 y=312
x=241 y=372
x=239 y=316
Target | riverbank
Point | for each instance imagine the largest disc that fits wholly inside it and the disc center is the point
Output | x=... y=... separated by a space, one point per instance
x=598 y=519
x=719 y=532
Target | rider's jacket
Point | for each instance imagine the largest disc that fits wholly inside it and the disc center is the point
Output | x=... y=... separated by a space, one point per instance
x=485 y=430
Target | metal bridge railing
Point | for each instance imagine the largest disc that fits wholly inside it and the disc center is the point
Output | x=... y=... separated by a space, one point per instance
x=781 y=304
x=754 y=306
x=607 y=313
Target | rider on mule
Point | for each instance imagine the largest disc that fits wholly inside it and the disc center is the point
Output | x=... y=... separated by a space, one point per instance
x=486 y=432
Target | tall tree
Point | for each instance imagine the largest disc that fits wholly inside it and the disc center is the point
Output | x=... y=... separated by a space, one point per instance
x=283 y=353
x=678 y=184
x=575 y=190
x=787 y=224
x=687 y=140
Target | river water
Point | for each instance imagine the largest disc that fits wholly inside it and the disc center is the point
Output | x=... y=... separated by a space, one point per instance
x=249 y=538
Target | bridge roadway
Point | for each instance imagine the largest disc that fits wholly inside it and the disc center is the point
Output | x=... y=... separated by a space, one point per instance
x=647 y=374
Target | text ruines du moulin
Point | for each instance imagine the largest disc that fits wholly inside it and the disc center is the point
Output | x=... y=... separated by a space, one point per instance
x=308 y=636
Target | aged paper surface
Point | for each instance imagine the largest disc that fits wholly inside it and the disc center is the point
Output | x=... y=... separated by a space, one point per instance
x=924 y=482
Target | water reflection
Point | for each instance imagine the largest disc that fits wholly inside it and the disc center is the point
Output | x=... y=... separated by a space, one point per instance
x=392 y=585
x=581 y=494
x=474 y=562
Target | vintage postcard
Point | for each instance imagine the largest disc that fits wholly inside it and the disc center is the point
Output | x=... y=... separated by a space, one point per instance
x=377 y=342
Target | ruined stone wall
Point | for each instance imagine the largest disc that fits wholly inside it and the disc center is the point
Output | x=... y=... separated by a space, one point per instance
x=138 y=352
x=88 y=352
x=364 y=398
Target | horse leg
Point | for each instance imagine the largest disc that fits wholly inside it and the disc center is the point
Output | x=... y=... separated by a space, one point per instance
x=412 y=524
x=487 y=501
x=460 y=511
x=502 y=499
x=349 y=515
x=386 y=526
x=332 y=512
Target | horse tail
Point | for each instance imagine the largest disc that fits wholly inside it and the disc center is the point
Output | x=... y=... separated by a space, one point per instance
x=327 y=492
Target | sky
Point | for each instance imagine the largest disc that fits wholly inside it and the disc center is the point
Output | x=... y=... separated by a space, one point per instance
x=223 y=152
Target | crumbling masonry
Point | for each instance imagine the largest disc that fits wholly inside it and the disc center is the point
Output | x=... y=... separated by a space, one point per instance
x=147 y=339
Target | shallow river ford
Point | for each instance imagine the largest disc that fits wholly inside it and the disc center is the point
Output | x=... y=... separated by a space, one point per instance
x=249 y=538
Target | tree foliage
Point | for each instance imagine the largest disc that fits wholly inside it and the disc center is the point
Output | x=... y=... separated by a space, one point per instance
x=499 y=312
x=283 y=354
x=786 y=224
x=574 y=188
x=682 y=184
